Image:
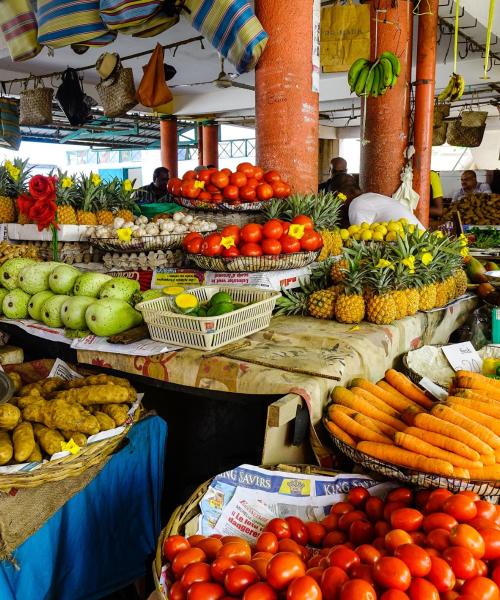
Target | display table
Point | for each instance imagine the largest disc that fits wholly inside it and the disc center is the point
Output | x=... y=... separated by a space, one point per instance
x=101 y=539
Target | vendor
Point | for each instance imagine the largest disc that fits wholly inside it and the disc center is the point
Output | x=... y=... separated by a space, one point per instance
x=371 y=207
x=338 y=167
x=470 y=186
x=156 y=191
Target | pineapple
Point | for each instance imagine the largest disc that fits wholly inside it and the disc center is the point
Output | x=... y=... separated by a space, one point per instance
x=412 y=301
x=404 y=253
x=401 y=302
x=66 y=214
x=350 y=307
x=65 y=199
x=381 y=307
x=87 y=191
x=124 y=214
x=336 y=271
x=13 y=179
x=108 y=198
x=460 y=282
x=321 y=304
x=86 y=217
x=427 y=297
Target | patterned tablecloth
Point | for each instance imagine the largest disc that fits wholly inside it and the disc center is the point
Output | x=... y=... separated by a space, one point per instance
x=298 y=355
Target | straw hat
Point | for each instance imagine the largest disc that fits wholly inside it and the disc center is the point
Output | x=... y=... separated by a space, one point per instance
x=106 y=64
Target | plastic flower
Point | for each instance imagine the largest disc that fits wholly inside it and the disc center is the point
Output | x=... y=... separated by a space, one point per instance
x=199 y=185
x=227 y=242
x=410 y=263
x=342 y=196
x=13 y=171
x=66 y=182
x=426 y=258
x=438 y=233
x=464 y=251
x=127 y=185
x=95 y=178
x=124 y=234
x=296 y=231
x=383 y=263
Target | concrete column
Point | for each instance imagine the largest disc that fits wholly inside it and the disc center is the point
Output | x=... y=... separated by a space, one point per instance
x=200 y=145
x=211 y=144
x=168 y=145
x=287 y=109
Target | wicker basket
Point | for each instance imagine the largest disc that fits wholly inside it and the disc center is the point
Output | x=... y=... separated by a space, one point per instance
x=413 y=375
x=35 y=106
x=117 y=94
x=172 y=241
x=439 y=134
x=252 y=264
x=208 y=333
x=418 y=478
x=440 y=112
x=464 y=137
x=191 y=203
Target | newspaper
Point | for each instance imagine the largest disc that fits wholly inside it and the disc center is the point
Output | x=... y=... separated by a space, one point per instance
x=39 y=329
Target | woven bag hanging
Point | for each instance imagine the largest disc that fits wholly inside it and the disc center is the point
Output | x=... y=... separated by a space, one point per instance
x=117 y=93
x=35 y=105
x=465 y=137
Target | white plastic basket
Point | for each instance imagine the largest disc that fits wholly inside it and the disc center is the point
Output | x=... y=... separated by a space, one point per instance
x=208 y=333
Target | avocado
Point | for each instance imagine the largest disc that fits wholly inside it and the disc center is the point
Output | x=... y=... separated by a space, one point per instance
x=220 y=298
x=220 y=309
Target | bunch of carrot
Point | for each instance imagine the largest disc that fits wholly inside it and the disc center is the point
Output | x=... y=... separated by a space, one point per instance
x=396 y=422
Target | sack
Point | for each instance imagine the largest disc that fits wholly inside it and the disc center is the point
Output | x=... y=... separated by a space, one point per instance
x=62 y=23
x=344 y=36
x=439 y=134
x=19 y=28
x=153 y=89
x=117 y=94
x=466 y=137
x=117 y=14
x=73 y=100
x=473 y=118
x=441 y=111
x=232 y=28
x=10 y=132
x=153 y=26
x=35 y=106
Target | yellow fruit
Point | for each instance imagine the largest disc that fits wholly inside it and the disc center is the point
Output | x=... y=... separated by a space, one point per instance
x=411 y=228
x=7 y=210
x=393 y=226
x=104 y=217
x=381 y=309
x=125 y=214
x=66 y=215
x=365 y=225
x=366 y=235
x=427 y=297
x=321 y=304
x=85 y=217
x=391 y=236
x=378 y=236
x=356 y=236
x=412 y=300
x=344 y=234
x=403 y=220
x=336 y=272
x=381 y=229
x=350 y=308
x=353 y=229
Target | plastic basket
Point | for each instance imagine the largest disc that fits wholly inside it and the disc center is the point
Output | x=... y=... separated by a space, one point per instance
x=250 y=264
x=208 y=333
x=418 y=478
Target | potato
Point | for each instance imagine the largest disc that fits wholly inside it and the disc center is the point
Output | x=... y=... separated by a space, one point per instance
x=36 y=455
x=6 y=448
x=10 y=416
x=24 y=441
x=105 y=421
x=50 y=439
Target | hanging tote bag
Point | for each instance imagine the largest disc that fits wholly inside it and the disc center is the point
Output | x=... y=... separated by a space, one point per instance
x=439 y=134
x=153 y=89
x=153 y=26
x=117 y=93
x=231 y=27
x=465 y=137
x=344 y=36
x=10 y=132
x=19 y=28
x=74 y=102
x=117 y=14
x=35 y=105
x=62 y=23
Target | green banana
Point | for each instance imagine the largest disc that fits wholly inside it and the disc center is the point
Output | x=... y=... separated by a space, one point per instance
x=356 y=67
x=458 y=88
x=360 y=85
x=396 y=65
x=387 y=69
x=394 y=80
x=370 y=80
x=376 y=81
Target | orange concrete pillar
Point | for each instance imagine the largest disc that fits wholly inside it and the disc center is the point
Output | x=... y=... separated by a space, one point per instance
x=200 y=145
x=211 y=144
x=287 y=108
x=424 y=106
x=386 y=119
x=168 y=145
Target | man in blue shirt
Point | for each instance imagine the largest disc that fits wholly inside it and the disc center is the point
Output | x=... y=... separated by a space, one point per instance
x=470 y=186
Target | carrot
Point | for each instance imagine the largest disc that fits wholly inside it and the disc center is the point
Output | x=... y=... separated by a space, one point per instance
x=409 y=414
x=469 y=382
x=475 y=415
x=374 y=401
x=392 y=390
x=460 y=473
x=355 y=429
x=497 y=455
x=397 y=402
x=375 y=425
x=340 y=433
x=407 y=387
x=487 y=459
x=491 y=472
x=479 y=379
x=487 y=408
x=345 y=397
x=348 y=411
x=452 y=416
x=473 y=395
x=446 y=443
x=419 y=446
x=432 y=423
x=404 y=458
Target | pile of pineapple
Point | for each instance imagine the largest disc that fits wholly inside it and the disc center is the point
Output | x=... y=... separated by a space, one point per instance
x=383 y=282
x=82 y=200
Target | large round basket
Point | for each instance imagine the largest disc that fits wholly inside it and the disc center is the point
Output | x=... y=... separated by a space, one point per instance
x=410 y=373
x=418 y=478
x=148 y=243
x=248 y=207
x=247 y=264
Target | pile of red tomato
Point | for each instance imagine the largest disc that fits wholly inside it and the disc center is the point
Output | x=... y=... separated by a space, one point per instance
x=426 y=545
x=246 y=184
x=273 y=238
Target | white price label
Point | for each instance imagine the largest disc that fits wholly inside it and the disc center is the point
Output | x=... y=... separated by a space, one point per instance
x=463 y=357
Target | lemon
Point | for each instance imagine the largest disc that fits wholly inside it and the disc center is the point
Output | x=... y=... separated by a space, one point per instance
x=356 y=236
x=344 y=234
x=393 y=226
x=365 y=225
x=374 y=226
x=391 y=236
x=353 y=229
x=366 y=235
x=411 y=228
x=381 y=229
x=421 y=232
x=378 y=236
x=403 y=221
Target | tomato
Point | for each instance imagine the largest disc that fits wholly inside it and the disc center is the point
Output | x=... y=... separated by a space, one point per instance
x=189 y=175
x=392 y=572
x=247 y=193
x=396 y=538
x=462 y=561
x=491 y=537
x=195 y=539
x=204 y=175
x=486 y=509
x=361 y=532
x=394 y=595
x=231 y=231
x=298 y=530
x=357 y=589
x=185 y=558
x=230 y=192
x=219 y=179
x=341 y=508
x=286 y=226
x=390 y=507
x=347 y=518
x=311 y=241
x=226 y=171
x=177 y=591
x=173 y=545
x=219 y=567
x=231 y=252
x=374 y=508
x=316 y=531
x=273 y=229
x=438 y=539
x=250 y=249
x=303 y=220
x=283 y=568
x=246 y=168
x=172 y=184
x=472 y=495
x=343 y=557
x=437 y=499
x=330 y=522
x=439 y=520
x=480 y=588
x=415 y=558
x=357 y=496
x=408 y=519
x=332 y=580
x=264 y=191
x=334 y=538
x=289 y=245
x=368 y=555
x=195 y=572
x=253 y=183
x=260 y=591
x=237 y=579
x=304 y=588
x=272 y=176
x=495 y=575
x=213 y=189
x=260 y=563
x=177 y=188
x=289 y=545
x=362 y=572
x=421 y=498
x=189 y=189
x=238 y=551
x=462 y=507
x=238 y=179
x=205 y=591
x=419 y=538
x=280 y=189
x=421 y=589
x=481 y=568
x=466 y=536
x=211 y=245
x=252 y=232
x=210 y=547
x=441 y=574
x=267 y=542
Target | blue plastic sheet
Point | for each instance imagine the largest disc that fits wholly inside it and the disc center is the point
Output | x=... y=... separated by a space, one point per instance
x=101 y=539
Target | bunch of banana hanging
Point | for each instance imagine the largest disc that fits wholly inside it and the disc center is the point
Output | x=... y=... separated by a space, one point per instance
x=454 y=90
x=374 y=79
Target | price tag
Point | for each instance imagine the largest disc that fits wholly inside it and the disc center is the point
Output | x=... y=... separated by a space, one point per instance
x=433 y=388
x=463 y=357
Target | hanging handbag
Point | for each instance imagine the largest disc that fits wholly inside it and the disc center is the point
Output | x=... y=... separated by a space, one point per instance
x=439 y=134
x=10 y=132
x=117 y=93
x=117 y=14
x=465 y=137
x=151 y=27
x=19 y=28
x=441 y=111
x=153 y=89
x=35 y=105
x=74 y=102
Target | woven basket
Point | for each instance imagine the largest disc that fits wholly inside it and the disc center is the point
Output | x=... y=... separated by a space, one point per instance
x=440 y=112
x=439 y=134
x=465 y=137
x=252 y=264
x=409 y=372
x=35 y=106
x=117 y=94
x=473 y=118
x=250 y=207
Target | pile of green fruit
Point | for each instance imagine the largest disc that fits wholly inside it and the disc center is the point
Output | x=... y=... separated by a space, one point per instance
x=60 y=295
x=367 y=78
x=220 y=303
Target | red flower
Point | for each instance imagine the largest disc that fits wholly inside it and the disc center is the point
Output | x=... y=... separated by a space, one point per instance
x=43 y=213
x=24 y=203
x=42 y=187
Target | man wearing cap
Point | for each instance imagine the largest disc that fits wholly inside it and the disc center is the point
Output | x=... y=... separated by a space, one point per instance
x=156 y=191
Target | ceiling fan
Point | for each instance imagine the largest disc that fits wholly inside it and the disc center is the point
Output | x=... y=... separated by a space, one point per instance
x=224 y=80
